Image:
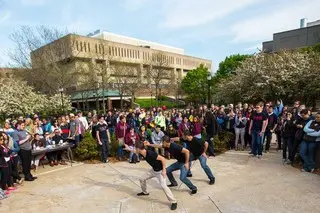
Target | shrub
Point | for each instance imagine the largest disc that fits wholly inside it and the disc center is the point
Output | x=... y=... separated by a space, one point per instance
x=87 y=149
x=113 y=145
x=222 y=141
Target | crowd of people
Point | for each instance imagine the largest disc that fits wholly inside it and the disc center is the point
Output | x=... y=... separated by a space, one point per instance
x=295 y=128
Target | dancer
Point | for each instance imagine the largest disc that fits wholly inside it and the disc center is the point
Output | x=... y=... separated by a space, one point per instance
x=158 y=164
x=182 y=164
x=198 y=149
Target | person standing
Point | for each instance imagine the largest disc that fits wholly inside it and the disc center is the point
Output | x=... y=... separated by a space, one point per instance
x=212 y=129
x=158 y=164
x=24 y=141
x=103 y=138
x=240 y=129
x=272 y=125
x=74 y=129
x=132 y=139
x=258 y=125
x=288 y=130
x=121 y=131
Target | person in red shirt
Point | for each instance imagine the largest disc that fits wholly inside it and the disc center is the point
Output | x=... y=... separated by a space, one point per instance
x=121 y=131
x=132 y=139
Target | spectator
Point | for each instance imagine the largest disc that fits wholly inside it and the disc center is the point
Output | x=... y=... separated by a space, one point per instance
x=156 y=138
x=160 y=120
x=258 y=125
x=212 y=129
x=46 y=126
x=65 y=128
x=37 y=143
x=7 y=128
x=272 y=125
x=38 y=128
x=83 y=121
x=23 y=139
x=121 y=131
x=14 y=147
x=278 y=108
x=184 y=126
x=240 y=129
x=288 y=131
x=93 y=125
x=52 y=156
x=309 y=143
x=55 y=126
x=74 y=130
x=111 y=121
x=302 y=119
x=103 y=138
x=4 y=166
x=144 y=134
x=196 y=127
x=132 y=140
x=30 y=128
x=178 y=120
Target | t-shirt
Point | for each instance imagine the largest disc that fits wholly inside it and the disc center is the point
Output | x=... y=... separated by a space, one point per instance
x=64 y=130
x=102 y=129
x=195 y=146
x=73 y=126
x=151 y=158
x=272 y=120
x=20 y=135
x=176 y=151
x=257 y=120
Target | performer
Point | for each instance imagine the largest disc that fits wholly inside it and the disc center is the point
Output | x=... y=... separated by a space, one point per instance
x=182 y=164
x=198 y=149
x=158 y=164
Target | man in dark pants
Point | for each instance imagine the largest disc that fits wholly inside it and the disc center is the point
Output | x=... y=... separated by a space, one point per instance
x=182 y=156
x=23 y=139
x=272 y=125
x=103 y=138
x=198 y=149
x=301 y=121
x=212 y=129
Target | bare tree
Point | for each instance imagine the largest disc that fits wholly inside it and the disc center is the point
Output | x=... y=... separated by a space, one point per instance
x=133 y=83
x=158 y=72
x=49 y=66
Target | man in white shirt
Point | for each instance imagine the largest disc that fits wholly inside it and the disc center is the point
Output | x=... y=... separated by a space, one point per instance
x=83 y=120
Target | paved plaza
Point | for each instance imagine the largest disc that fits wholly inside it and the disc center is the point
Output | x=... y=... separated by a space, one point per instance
x=243 y=184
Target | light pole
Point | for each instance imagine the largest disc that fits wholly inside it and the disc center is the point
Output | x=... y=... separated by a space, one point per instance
x=178 y=93
x=209 y=79
x=61 y=92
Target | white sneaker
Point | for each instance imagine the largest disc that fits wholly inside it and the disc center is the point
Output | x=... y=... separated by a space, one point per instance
x=259 y=156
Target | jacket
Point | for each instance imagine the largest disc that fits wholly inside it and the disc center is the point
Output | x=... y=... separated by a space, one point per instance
x=131 y=140
x=4 y=156
x=121 y=130
x=288 y=129
x=312 y=129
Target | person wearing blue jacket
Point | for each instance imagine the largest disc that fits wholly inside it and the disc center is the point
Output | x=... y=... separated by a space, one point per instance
x=278 y=108
x=309 y=143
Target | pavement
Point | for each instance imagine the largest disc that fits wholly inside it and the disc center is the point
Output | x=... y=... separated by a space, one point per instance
x=243 y=184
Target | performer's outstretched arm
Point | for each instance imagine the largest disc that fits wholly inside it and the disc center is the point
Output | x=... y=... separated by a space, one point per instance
x=147 y=143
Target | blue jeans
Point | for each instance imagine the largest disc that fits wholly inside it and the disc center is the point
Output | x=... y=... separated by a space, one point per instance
x=203 y=163
x=307 y=150
x=105 y=150
x=183 y=174
x=257 y=142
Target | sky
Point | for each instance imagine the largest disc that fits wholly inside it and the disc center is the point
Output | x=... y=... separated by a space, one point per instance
x=212 y=29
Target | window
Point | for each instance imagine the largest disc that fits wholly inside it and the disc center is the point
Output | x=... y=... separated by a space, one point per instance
x=88 y=47
x=81 y=46
x=138 y=54
x=85 y=46
x=110 y=50
x=122 y=52
x=96 y=47
x=77 y=45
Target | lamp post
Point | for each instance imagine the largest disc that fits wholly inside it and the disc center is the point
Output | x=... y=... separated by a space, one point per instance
x=178 y=93
x=61 y=92
x=209 y=79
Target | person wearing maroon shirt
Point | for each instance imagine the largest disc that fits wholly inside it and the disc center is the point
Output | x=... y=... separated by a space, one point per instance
x=259 y=122
x=121 y=131
x=132 y=139
x=196 y=128
x=65 y=128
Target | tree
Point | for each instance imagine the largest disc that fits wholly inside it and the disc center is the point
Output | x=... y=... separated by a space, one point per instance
x=195 y=84
x=230 y=65
x=120 y=80
x=158 y=72
x=44 y=72
x=288 y=75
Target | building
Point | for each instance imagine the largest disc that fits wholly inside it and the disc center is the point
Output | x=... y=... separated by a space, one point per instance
x=305 y=36
x=108 y=50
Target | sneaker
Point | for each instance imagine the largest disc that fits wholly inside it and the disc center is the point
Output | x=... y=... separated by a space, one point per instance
x=194 y=191
x=20 y=181
x=174 y=206
x=303 y=170
x=250 y=153
x=143 y=194
x=7 y=192
x=11 y=188
x=312 y=170
x=212 y=181
x=189 y=175
x=172 y=185
x=259 y=156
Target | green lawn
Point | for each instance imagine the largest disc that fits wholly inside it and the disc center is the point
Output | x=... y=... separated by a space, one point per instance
x=144 y=103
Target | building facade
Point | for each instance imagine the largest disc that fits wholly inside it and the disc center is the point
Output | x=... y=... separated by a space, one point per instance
x=109 y=50
x=305 y=36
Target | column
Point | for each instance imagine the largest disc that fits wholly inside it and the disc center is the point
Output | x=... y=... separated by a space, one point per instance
x=109 y=104
x=173 y=76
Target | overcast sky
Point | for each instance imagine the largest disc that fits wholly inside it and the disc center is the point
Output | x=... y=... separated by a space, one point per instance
x=211 y=29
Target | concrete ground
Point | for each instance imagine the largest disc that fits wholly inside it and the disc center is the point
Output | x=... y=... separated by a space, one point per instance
x=243 y=184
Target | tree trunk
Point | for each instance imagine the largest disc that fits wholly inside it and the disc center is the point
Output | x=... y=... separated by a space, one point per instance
x=132 y=98
x=121 y=102
x=103 y=101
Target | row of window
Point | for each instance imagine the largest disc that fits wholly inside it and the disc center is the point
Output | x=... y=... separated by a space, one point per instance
x=134 y=54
